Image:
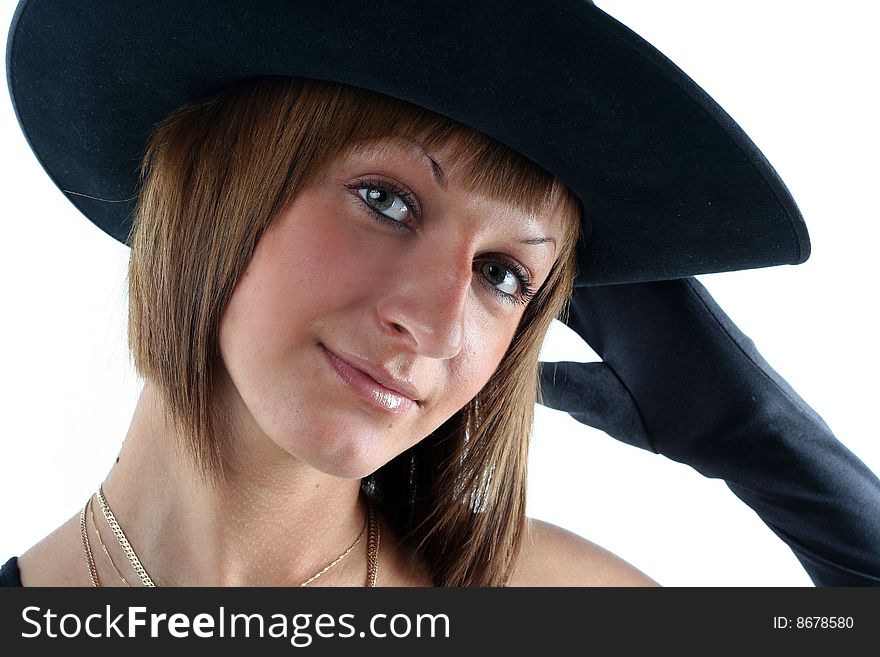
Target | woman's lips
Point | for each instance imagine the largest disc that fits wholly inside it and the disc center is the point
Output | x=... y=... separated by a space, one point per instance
x=367 y=388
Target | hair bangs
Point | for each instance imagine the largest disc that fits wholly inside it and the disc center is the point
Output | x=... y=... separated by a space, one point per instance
x=485 y=166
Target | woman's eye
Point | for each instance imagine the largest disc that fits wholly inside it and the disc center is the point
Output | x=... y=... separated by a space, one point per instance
x=502 y=277
x=508 y=281
x=386 y=202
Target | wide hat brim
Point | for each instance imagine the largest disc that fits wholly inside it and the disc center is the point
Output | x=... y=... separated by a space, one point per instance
x=671 y=185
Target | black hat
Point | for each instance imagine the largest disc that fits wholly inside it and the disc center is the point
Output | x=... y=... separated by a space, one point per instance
x=671 y=185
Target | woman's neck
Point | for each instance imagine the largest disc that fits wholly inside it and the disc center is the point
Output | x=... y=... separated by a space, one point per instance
x=273 y=521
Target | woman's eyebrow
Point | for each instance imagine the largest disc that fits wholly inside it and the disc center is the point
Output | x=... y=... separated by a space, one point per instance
x=436 y=169
x=377 y=146
x=538 y=240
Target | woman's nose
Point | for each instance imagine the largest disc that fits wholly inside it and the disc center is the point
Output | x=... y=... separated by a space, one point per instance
x=426 y=300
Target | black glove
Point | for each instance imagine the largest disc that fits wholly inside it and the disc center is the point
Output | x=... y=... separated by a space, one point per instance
x=680 y=379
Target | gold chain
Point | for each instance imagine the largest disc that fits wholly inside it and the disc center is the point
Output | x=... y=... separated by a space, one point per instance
x=123 y=541
x=87 y=547
x=104 y=547
x=339 y=558
x=370 y=521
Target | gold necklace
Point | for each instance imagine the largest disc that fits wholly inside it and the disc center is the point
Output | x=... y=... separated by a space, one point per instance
x=370 y=521
x=339 y=558
x=103 y=546
x=123 y=540
x=87 y=547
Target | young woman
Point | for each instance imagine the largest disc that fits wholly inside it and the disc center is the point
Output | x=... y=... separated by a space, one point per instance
x=337 y=299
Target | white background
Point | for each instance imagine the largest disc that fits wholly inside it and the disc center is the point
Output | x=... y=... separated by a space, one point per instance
x=801 y=79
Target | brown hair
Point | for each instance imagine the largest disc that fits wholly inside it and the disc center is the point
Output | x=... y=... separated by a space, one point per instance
x=215 y=174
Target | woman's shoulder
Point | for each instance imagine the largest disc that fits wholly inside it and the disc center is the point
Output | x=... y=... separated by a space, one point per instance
x=553 y=556
x=57 y=560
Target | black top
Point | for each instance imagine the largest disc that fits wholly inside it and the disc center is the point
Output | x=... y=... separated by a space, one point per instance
x=9 y=574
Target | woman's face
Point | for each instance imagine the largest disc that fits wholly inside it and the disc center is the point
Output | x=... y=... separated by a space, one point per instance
x=377 y=305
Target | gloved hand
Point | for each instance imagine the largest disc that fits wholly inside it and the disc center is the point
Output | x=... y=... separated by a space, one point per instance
x=680 y=379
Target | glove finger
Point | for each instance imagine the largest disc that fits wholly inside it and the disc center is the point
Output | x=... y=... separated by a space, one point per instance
x=593 y=395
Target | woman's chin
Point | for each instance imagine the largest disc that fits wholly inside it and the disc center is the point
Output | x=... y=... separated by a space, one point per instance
x=343 y=460
x=349 y=470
